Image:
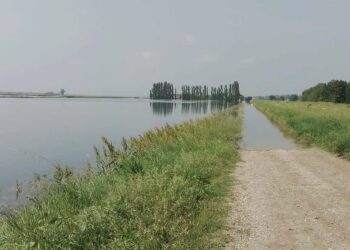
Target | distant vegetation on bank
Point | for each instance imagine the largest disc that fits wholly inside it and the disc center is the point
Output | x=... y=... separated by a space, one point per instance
x=228 y=93
x=163 y=90
x=337 y=91
x=61 y=93
x=324 y=124
x=167 y=189
x=292 y=98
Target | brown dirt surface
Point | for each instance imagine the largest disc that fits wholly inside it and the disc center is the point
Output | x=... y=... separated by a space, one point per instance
x=291 y=199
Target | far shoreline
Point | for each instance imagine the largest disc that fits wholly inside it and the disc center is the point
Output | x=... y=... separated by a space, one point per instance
x=70 y=97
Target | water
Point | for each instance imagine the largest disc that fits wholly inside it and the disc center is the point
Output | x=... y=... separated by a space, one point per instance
x=259 y=133
x=37 y=133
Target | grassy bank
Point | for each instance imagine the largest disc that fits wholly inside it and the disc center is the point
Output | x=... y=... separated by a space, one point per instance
x=326 y=125
x=169 y=188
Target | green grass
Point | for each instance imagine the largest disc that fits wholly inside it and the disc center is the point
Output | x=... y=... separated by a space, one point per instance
x=326 y=125
x=167 y=189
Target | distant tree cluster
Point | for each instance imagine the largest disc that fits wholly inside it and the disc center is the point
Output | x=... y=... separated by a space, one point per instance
x=291 y=98
x=227 y=93
x=276 y=98
x=195 y=92
x=163 y=90
x=337 y=91
x=248 y=99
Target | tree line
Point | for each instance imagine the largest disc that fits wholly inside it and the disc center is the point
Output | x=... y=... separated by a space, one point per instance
x=163 y=90
x=292 y=98
x=337 y=91
x=228 y=92
x=194 y=92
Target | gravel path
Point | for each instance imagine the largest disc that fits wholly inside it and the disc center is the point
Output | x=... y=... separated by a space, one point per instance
x=291 y=199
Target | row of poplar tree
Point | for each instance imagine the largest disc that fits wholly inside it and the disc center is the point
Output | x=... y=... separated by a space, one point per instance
x=227 y=93
x=163 y=90
x=194 y=92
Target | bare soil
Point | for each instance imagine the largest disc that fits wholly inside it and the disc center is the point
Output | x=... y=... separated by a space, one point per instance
x=291 y=199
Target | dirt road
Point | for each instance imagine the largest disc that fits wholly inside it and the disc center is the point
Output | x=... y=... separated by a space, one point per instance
x=291 y=199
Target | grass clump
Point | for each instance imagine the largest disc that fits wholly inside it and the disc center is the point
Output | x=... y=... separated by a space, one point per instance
x=167 y=189
x=326 y=125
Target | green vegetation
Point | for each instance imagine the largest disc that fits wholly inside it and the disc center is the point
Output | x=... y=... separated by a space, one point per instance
x=248 y=99
x=291 y=98
x=195 y=92
x=337 y=91
x=226 y=93
x=324 y=124
x=163 y=90
x=169 y=188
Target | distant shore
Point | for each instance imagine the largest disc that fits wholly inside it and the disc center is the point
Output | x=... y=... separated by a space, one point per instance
x=69 y=96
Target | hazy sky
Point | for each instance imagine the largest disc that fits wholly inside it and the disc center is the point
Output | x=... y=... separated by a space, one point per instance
x=122 y=47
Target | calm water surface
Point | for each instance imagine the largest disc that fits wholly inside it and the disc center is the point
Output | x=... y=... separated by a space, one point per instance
x=259 y=133
x=37 y=133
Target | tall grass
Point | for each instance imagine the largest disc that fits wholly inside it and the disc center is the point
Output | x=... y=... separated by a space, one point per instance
x=167 y=189
x=326 y=125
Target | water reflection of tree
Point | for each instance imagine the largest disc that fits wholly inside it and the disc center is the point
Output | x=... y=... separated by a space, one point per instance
x=185 y=107
x=205 y=107
x=199 y=107
x=217 y=106
x=163 y=108
x=196 y=108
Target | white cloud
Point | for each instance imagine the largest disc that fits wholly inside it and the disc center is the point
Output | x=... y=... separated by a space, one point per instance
x=189 y=40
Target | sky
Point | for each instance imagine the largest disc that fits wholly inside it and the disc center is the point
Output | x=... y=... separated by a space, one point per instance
x=122 y=47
